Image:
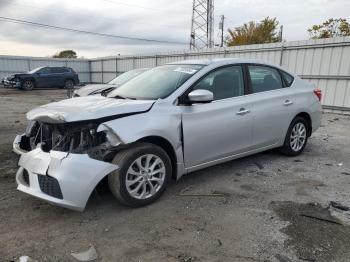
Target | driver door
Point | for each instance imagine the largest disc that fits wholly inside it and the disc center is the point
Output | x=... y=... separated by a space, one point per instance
x=220 y=129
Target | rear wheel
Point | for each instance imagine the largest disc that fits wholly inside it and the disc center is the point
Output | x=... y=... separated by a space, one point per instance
x=69 y=84
x=27 y=85
x=143 y=174
x=296 y=137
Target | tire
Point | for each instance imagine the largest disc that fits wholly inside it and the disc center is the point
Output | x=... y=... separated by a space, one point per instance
x=27 y=85
x=139 y=193
x=296 y=138
x=69 y=84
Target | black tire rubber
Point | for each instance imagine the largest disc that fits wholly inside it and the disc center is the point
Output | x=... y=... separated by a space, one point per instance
x=286 y=148
x=66 y=84
x=25 y=87
x=124 y=159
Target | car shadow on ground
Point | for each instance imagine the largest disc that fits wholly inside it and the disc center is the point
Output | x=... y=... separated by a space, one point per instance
x=198 y=179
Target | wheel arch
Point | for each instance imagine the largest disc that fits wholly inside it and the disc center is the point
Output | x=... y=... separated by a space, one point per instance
x=308 y=119
x=31 y=78
x=28 y=78
x=68 y=79
x=166 y=146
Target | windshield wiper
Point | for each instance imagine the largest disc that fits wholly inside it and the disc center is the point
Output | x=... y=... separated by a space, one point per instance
x=124 y=97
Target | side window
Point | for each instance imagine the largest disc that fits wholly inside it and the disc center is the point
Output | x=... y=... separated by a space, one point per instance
x=55 y=70
x=287 y=78
x=60 y=70
x=45 y=70
x=264 y=78
x=224 y=83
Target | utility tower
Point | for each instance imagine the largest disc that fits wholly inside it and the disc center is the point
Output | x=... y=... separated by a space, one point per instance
x=202 y=29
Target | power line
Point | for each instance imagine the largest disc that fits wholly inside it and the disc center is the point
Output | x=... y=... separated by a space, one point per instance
x=98 y=17
x=29 y=23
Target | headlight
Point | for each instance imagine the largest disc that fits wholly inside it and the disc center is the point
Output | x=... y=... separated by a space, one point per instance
x=30 y=128
x=111 y=136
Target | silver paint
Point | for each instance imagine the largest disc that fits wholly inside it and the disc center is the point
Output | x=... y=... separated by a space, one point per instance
x=201 y=134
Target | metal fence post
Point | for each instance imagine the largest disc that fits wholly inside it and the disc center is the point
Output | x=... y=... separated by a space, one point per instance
x=225 y=52
x=116 y=67
x=281 y=54
x=102 y=71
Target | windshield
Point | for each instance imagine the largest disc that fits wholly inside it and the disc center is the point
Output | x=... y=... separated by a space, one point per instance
x=156 y=83
x=34 y=70
x=125 y=77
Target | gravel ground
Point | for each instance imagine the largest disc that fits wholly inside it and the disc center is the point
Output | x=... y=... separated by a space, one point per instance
x=265 y=207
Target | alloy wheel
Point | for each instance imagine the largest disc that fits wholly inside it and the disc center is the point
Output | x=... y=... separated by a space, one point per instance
x=69 y=84
x=28 y=85
x=145 y=176
x=298 y=137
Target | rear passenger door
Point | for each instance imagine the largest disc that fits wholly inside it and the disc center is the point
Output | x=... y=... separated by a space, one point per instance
x=273 y=105
x=58 y=76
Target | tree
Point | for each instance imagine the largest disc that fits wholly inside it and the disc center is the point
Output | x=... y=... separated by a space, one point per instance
x=66 y=54
x=254 y=33
x=330 y=28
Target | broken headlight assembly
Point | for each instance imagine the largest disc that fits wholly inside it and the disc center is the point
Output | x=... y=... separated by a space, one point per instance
x=77 y=137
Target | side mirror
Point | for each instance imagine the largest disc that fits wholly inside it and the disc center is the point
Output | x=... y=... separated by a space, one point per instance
x=200 y=96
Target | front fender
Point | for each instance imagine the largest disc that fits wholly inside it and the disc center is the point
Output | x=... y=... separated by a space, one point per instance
x=130 y=129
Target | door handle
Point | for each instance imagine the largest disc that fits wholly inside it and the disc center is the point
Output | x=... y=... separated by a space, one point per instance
x=287 y=102
x=242 y=111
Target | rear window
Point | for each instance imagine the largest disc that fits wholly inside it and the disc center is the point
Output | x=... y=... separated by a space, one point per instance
x=45 y=70
x=288 y=79
x=264 y=78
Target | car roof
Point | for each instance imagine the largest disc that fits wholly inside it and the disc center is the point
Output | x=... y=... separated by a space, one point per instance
x=223 y=61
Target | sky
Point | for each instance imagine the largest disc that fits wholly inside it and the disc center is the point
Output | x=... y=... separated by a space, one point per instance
x=167 y=20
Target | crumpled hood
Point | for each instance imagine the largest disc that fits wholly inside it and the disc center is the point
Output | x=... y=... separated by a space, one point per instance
x=20 y=75
x=12 y=77
x=92 y=89
x=87 y=108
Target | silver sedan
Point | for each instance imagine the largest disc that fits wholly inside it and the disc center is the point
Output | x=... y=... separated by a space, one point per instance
x=167 y=122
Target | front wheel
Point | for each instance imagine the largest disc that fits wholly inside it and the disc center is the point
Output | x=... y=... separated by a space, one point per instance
x=28 y=85
x=296 y=137
x=143 y=174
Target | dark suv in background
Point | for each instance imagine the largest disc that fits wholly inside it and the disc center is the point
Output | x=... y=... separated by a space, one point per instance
x=63 y=77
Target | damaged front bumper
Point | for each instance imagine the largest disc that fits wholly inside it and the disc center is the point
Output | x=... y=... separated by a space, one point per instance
x=61 y=178
x=11 y=83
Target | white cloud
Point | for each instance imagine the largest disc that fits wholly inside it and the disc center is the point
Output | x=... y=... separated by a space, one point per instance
x=164 y=19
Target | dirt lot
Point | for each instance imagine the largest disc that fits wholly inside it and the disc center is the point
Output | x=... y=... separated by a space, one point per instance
x=266 y=207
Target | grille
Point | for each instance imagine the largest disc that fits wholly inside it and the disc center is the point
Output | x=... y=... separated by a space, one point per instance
x=26 y=177
x=50 y=186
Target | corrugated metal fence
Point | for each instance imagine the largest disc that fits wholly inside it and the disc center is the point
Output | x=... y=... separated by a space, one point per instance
x=325 y=62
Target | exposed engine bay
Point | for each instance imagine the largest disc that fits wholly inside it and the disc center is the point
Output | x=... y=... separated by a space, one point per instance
x=78 y=137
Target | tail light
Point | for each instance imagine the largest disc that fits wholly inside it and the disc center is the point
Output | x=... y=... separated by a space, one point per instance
x=318 y=93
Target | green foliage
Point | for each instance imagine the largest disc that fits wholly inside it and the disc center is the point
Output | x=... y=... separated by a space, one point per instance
x=66 y=54
x=254 y=33
x=330 y=28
